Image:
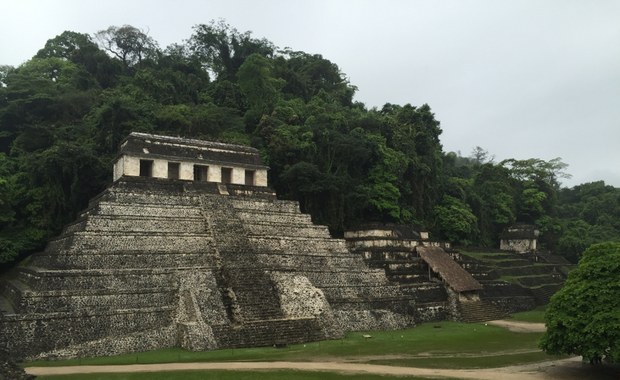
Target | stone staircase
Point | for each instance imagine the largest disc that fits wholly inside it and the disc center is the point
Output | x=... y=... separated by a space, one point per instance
x=512 y=282
x=479 y=311
x=289 y=244
x=402 y=266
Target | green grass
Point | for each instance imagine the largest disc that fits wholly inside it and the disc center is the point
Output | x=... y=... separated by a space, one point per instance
x=224 y=375
x=485 y=256
x=536 y=316
x=443 y=338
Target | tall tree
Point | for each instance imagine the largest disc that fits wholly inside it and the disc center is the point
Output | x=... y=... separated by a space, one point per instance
x=583 y=318
x=222 y=49
x=128 y=43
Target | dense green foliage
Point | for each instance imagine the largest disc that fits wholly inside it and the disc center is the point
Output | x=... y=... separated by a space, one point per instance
x=64 y=112
x=583 y=318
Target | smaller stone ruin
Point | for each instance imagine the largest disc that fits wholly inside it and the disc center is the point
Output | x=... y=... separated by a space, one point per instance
x=519 y=238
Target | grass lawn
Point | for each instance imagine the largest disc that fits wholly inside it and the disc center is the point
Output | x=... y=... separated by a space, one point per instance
x=225 y=375
x=442 y=339
x=536 y=316
x=469 y=362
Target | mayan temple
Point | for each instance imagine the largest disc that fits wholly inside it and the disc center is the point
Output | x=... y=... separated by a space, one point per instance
x=189 y=247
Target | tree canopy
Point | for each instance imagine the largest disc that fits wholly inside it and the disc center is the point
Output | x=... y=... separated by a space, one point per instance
x=64 y=112
x=583 y=318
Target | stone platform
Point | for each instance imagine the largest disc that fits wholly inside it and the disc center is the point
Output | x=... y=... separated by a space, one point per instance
x=155 y=263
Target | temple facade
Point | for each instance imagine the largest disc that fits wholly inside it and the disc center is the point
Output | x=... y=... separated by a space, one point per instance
x=165 y=157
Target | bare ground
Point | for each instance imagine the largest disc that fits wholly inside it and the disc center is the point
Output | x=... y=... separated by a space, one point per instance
x=518 y=326
x=566 y=369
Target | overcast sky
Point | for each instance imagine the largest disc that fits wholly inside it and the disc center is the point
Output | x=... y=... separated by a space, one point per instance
x=521 y=79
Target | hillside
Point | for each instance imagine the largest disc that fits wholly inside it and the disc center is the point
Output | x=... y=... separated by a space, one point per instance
x=63 y=113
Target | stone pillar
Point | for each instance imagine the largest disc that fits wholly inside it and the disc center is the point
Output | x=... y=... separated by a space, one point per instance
x=131 y=166
x=186 y=171
x=160 y=169
x=260 y=177
x=215 y=173
x=238 y=176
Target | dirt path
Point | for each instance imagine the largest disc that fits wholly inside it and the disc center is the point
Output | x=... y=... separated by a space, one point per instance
x=518 y=326
x=567 y=369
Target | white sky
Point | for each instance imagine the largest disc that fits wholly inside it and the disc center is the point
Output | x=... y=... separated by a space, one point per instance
x=520 y=78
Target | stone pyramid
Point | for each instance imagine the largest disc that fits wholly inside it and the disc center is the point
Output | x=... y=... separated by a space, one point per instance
x=190 y=248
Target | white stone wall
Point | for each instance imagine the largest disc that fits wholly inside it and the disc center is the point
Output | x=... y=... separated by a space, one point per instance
x=518 y=245
x=119 y=168
x=160 y=168
x=260 y=178
x=186 y=171
x=130 y=166
x=214 y=174
x=238 y=176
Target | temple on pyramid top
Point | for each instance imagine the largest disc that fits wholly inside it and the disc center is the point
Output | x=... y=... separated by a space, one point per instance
x=147 y=155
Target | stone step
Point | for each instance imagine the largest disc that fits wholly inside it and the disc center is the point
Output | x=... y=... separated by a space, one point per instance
x=103 y=299
x=554 y=259
x=320 y=246
x=528 y=270
x=512 y=263
x=426 y=292
x=274 y=217
x=484 y=276
x=431 y=312
x=117 y=279
x=152 y=208
x=144 y=224
x=137 y=199
x=512 y=304
x=273 y=206
x=274 y=332
x=383 y=244
x=133 y=201
x=544 y=293
x=479 y=311
x=497 y=288
x=94 y=259
x=380 y=255
x=310 y=262
x=535 y=281
x=410 y=267
x=408 y=278
x=54 y=330
x=109 y=242
x=330 y=278
x=76 y=226
x=265 y=229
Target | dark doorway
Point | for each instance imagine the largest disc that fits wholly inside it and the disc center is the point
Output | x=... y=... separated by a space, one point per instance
x=249 y=177
x=226 y=175
x=200 y=173
x=146 y=168
x=173 y=170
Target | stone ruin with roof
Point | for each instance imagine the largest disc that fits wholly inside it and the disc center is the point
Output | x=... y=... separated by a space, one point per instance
x=520 y=238
x=190 y=248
